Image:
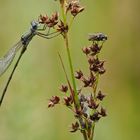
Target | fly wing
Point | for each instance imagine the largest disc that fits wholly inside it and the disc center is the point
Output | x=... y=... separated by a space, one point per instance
x=7 y=59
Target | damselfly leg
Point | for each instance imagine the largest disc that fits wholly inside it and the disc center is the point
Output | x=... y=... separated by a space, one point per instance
x=48 y=36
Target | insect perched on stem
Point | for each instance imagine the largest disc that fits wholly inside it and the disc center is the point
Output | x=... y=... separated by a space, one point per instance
x=22 y=45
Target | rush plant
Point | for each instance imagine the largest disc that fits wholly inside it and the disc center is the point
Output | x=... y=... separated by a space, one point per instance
x=86 y=107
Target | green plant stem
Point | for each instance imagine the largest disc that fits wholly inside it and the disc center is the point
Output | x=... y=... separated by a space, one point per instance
x=95 y=86
x=85 y=135
x=94 y=91
x=63 y=13
x=71 y=21
x=92 y=133
x=77 y=104
x=76 y=99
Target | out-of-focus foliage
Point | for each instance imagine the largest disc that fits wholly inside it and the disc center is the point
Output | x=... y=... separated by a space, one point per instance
x=24 y=113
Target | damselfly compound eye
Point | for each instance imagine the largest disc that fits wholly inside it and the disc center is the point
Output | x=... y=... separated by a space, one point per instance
x=34 y=25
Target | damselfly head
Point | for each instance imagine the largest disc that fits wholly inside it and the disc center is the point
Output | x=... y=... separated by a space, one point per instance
x=34 y=25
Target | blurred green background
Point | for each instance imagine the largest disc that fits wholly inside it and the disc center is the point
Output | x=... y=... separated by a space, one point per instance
x=24 y=114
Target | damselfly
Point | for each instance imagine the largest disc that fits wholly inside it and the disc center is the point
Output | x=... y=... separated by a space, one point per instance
x=22 y=44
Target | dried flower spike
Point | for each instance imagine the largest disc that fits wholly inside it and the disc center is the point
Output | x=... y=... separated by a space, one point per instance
x=74 y=7
x=100 y=96
x=95 y=117
x=64 y=88
x=54 y=100
x=95 y=48
x=86 y=81
x=49 y=21
x=91 y=103
x=74 y=127
x=103 y=112
x=79 y=74
x=68 y=101
x=62 y=28
x=86 y=50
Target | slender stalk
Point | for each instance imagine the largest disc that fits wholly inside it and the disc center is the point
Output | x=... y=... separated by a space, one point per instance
x=71 y=21
x=95 y=86
x=63 y=13
x=92 y=133
x=85 y=135
x=96 y=82
x=77 y=104
x=71 y=90
x=94 y=92
x=76 y=100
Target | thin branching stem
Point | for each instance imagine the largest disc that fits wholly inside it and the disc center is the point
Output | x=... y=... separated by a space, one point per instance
x=77 y=105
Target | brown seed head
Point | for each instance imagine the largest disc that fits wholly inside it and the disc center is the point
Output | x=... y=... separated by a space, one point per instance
x=64 y=88
x=95 y=117
x=86 y=81
x=95 y=48
x=62 y=28
x=103 y=112
x=100 y=95
x=86 y=50
x=74 y=127
x=91 y=103
x=49 y=21
x=68 y=101
x=74 y=7
x=54 y=100
x=79 y=74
